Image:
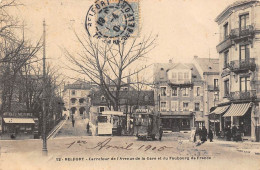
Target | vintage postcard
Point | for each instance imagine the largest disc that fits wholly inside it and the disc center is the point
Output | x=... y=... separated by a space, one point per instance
x=129 y=84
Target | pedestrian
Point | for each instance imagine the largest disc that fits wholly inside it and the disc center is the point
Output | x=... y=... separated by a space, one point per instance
x=160 y=133
x=228 y=133
x=203 y=134
x=210 y=135
x=88 y=127
x=234 y=133
x=73 y=122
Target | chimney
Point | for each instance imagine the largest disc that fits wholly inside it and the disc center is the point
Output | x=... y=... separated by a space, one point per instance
x=195 y=57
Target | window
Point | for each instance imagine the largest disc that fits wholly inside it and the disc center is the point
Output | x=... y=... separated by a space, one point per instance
x=197 y=106
x=101 y=109
x=186 y=75
x=226 y=31
x=163 y=106
x=174 y=91
x=244 y=53
x=215 y=83
x=185 y=91
x=73 y=100
x=226 y=59
x=163 y=91
x=226 y=87
x=73 y=92
x=185 y=106
x=174 y=106
x=244 y=84
x=103 y=99
x=216 y=96
x=243 y=21
x=180 y=76
x=174 y=75
x=197 y=91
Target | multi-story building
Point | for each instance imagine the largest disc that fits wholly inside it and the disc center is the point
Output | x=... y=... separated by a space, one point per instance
x=76 y=98
x=208 y=69
x=178 y=95
x=239 y=52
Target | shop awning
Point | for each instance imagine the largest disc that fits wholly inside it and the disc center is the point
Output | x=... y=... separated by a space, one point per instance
x=237 y=109
x=220 y=110
x=19 y=120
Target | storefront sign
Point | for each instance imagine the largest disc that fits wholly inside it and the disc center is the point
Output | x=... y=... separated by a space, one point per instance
x=142 y=111
x=10 y=114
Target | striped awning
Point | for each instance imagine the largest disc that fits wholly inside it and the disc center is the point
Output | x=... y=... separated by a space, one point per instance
x=220 y=110
x=237 y=109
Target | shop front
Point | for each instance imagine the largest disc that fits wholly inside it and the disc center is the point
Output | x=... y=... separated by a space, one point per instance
x=177 y=123
x=19 y=126
x=216 y=121
x=239 y=117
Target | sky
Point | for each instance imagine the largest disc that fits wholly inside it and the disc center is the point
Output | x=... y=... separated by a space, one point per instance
x=185 y=27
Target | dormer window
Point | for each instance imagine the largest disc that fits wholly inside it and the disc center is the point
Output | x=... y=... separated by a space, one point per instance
x=103 y=98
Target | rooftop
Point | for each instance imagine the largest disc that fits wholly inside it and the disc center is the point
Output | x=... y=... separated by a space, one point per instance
x=229 y=8
x=208 y=65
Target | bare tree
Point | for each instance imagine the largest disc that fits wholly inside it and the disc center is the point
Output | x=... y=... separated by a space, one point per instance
x=106 y=64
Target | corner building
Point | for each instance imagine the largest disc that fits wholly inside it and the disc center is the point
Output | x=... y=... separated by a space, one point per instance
x=239 y=53
x=178 y=96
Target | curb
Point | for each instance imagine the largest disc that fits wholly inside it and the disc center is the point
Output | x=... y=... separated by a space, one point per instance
x=58 y=127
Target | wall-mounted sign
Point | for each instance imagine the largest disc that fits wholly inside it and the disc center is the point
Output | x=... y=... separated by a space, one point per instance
x=10 y=114
x=142 y=110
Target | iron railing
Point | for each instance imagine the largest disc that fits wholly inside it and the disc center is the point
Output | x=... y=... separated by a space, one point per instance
x=242 y=95
x=238 y=65
x=242 y=32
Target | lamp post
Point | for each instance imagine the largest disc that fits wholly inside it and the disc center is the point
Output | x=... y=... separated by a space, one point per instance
x=44 y=138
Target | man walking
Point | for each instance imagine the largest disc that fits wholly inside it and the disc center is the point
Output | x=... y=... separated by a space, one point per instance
x=210 y=135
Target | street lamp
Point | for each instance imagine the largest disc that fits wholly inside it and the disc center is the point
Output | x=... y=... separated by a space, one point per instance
x=44 y=138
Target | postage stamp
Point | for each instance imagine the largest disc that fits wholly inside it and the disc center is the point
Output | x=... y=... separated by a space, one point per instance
x=113 y=19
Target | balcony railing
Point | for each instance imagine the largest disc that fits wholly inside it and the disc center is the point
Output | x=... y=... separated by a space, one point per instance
x=213 y=88
x=178 y=82
x=242 y=32
x=242 y=95
x=224 y=44
x=240 y=65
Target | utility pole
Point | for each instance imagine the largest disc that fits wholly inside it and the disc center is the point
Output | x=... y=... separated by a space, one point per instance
x=44 y=135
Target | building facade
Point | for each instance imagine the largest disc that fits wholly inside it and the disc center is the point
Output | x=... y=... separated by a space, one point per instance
x=76 y=98
x=239 y=52
x=208 y=69
x=178 y=96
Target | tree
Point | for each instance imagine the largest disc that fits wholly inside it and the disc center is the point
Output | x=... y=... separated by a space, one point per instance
x=106 y=64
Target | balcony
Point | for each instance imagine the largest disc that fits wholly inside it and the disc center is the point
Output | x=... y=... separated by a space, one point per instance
x=180 y=82
x=242 y=95
x=224 y=44
x=241 y=33
x=243 y=65
x=213 y=88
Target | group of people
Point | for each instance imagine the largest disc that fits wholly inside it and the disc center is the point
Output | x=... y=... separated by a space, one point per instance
x=234 y=133
x=204 y=134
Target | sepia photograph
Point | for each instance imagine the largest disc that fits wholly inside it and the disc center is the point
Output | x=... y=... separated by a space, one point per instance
x=129 y=84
